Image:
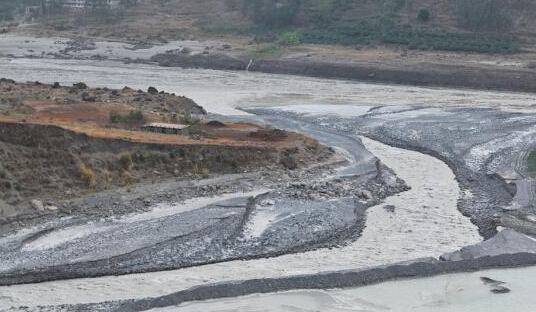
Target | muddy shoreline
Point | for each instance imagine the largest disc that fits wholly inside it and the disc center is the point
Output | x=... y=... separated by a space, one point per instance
x=428 y=75
x=218 y=56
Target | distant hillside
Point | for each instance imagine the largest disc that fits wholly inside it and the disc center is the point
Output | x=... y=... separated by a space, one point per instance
x=488 y=26
x=458 y=25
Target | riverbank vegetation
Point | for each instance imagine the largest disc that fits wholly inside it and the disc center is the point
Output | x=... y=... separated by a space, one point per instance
x=482 y=26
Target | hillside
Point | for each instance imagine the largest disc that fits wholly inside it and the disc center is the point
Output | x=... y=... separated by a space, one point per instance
x=488 y=26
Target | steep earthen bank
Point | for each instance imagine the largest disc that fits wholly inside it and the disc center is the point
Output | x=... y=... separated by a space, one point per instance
x=422 y=74
x=51 y=163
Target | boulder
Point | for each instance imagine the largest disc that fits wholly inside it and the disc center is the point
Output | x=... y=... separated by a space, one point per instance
x=80 y=85
x=37 y=205
x=152 y=90
x=366 y=194
x=51 y=208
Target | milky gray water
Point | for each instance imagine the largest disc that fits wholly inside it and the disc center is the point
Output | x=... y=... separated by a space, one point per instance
x=220 y=92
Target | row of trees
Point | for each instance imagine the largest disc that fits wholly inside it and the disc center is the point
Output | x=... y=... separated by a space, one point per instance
x=484 y=15
x=271 y=13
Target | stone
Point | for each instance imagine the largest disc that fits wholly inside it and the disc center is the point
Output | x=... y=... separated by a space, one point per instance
x=152 y=90
x=37 y=205
x=51 y=208
x=389 y=208
x=268 y=202
x=366 y=194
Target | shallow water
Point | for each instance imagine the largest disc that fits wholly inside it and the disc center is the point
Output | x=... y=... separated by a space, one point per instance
x=416 y=229
x=463 y=292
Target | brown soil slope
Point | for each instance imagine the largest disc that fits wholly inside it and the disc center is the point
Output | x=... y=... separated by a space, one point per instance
x=55 y=149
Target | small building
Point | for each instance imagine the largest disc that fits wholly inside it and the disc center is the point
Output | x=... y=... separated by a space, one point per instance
x=167 y=128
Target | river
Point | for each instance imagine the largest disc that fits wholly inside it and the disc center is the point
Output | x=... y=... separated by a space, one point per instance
x=417 y=227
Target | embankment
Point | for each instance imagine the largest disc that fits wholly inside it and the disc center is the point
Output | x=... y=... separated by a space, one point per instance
x=421 y=74
x=51 y=163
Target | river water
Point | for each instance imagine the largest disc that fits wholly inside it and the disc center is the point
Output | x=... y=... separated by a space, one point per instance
x=425 y=221
x=463 y=292
x=222 y=91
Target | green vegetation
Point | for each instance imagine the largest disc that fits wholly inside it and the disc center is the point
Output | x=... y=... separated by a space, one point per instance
x=365 y=33
x=132 y=118
x=272 y=13
x=289 y=38
x=447 y=41
x=362 y=22
x=424 y=15
x=483 y=15
x=8 y=9
x=531 y=164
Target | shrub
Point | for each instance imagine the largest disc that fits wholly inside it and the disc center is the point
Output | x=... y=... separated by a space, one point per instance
x=271 y=13
x=115 y=117
x=424 y=15
x=483 y=15
x=289 y=38
x=88 y=175
x=126 y=161
x=133 y=117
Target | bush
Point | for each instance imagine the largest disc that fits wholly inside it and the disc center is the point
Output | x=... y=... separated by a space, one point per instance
x=126 y=161
x=115 y=117
x=87 y=173
x=483 y=15
x=133 y=117
x=424 y=15
x=289 y=38
x=271 y=13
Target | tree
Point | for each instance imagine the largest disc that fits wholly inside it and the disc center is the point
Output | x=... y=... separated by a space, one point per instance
x=424 y=15
x=483 y=15
x=272 y=13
